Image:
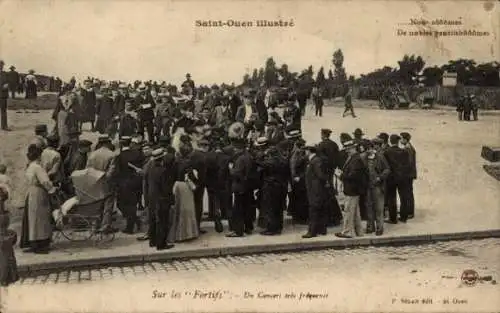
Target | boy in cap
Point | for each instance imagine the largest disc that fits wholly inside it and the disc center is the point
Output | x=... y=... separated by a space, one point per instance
x=399 y=180
x=353 y=178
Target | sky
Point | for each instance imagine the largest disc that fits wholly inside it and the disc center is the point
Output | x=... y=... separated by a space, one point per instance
x=158 y=40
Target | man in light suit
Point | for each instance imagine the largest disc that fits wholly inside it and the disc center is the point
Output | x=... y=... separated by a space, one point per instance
x=102 y=159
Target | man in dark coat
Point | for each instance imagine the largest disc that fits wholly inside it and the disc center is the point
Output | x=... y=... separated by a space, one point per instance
x=303 y=92
x=399 y=180
x=89 y=102
x=4 y=94
x=329 y=150
x=104 y=111
x=119 y=100
x=317 y=189
x=198 y=159
x=355 y=179
x=275 y=173
x=160 y=182
x=128 y=123
x=240 y=171
x=13 y=78
x=145 y=105
x=129 y=182
x=349 y=108
x=405 y=142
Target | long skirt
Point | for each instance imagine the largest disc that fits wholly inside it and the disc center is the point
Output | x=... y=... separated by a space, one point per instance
x=183 y=215
x=37 y=219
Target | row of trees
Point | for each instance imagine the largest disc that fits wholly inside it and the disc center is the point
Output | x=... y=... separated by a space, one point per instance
x=410 y=70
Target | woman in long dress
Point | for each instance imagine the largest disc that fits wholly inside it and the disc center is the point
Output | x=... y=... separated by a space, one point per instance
x=37 y=227
x=183 y=216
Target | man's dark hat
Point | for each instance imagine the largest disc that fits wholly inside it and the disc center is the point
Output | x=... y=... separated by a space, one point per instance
x=310 y=148
x=12 y=67
x=85 y=143
x=326 y=132
x=52 y=139
x=394 y=138
x=344 y=137
x=214 y=87
x=41 y=128
x=383 y=136
x=405 y=135
x=358 y=132
x=272 y=123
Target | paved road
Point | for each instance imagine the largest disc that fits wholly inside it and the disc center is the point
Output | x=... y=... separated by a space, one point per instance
x=411 y=278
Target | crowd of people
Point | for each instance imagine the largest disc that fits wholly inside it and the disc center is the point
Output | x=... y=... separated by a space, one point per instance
x=161 y=152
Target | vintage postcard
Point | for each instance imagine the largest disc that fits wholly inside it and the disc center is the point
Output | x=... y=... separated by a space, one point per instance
x=249 y=156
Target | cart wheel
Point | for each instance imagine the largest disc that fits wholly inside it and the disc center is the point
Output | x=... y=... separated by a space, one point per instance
x=76 y=227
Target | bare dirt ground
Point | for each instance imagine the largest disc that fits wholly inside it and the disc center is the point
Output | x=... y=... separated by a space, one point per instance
x=451 y=178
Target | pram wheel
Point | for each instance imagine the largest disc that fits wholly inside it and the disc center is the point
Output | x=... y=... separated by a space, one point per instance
x=75 y=227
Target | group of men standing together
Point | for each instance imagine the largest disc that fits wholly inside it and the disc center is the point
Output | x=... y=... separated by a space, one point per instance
x=246 y=153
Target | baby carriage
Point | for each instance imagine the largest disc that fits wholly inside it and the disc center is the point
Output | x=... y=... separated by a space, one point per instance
x=79 y=217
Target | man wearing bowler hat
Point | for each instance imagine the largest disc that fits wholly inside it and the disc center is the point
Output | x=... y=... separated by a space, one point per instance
x=145 y=105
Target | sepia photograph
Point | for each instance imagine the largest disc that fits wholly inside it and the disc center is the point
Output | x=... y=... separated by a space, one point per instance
x=249 y=156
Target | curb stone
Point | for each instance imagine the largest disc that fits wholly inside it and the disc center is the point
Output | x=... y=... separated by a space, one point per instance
x=57 y=266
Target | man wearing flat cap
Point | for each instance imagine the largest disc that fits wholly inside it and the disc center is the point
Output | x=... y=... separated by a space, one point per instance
x=355 y=179
x=399 y=180
x=406 y=144
x=128 y=179
x=102 y=159
x=4 y=94
x=317 y=186
x=329 y=151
